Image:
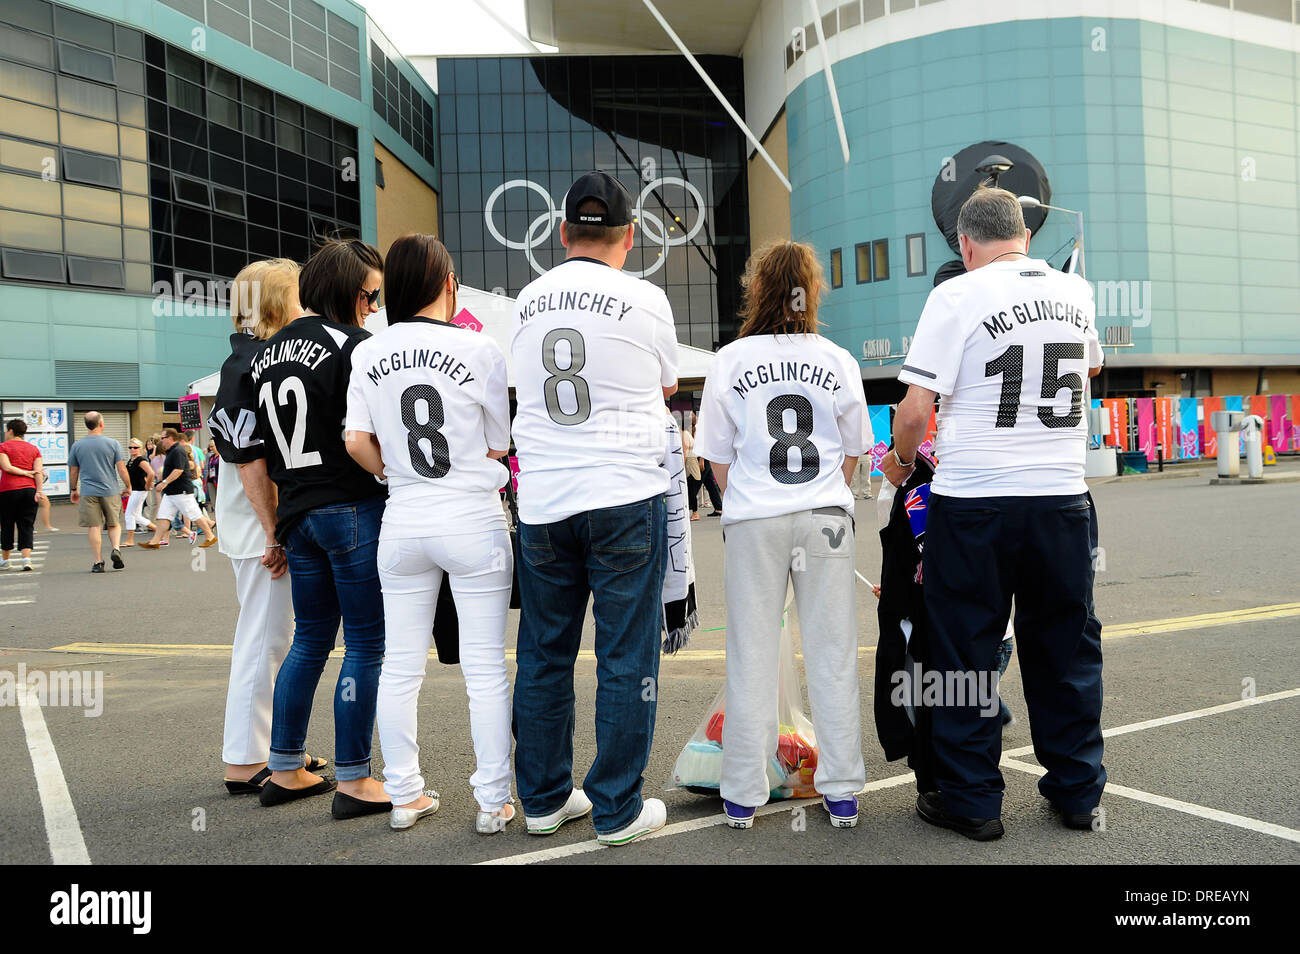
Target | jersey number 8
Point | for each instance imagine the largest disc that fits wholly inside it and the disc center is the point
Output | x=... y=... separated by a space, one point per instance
x=437 y=463
x=551 y=386
x=778 y=461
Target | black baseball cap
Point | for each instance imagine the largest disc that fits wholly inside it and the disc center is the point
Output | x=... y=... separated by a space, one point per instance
x=607 y=190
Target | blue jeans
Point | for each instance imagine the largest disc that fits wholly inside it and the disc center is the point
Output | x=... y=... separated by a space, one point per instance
x=617 y=555
x=333 y=577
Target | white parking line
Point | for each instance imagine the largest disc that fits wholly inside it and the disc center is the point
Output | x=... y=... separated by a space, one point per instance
x=1187 y=808
x=67 y=846
x=1008 y=760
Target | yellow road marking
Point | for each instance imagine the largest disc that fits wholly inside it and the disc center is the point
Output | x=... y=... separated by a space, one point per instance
x=1119 y=631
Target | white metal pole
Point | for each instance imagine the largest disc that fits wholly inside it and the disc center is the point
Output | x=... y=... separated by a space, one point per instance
x=830 y=80
x=753 y=140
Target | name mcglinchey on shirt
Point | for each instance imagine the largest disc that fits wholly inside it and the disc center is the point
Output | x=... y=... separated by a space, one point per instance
x=595 y=303
x=300 y=350
x=1040 y=309
x=775 y=372
x=419 y=358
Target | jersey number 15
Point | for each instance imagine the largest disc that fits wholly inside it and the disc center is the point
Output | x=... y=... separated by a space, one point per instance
x=1011 y=365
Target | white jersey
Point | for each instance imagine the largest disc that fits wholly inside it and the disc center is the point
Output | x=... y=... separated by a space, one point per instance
x=435 y=396
x=1008 y=347
x=593 y=348
x=783 y=411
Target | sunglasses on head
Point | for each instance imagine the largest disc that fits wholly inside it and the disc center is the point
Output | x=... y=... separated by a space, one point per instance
x=371 y=296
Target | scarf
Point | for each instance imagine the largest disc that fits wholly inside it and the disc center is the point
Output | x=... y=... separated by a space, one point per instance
x=681 y=616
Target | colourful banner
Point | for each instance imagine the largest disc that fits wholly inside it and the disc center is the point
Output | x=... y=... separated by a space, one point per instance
x=1189 y=444
x=1279 y=422
x=1209 y=439
x=1295 y=422
x=1165 y=428
x=1146 y=418
x=1118 y=410
x=882 y=433
x=1233 y=403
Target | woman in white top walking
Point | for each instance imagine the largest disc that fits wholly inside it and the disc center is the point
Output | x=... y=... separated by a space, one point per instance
x=784 y=420
x=428 y=409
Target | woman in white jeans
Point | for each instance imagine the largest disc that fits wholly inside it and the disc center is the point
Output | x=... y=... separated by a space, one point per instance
x=783 y=421
x=428 y=410
x=264 y=298
x=141 y=475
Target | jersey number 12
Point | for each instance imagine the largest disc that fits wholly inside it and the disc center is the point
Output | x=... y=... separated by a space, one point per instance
x=291 y=451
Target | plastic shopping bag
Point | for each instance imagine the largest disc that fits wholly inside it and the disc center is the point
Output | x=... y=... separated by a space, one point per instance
x=790 y=769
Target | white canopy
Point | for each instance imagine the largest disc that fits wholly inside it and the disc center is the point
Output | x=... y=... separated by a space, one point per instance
x=494 y=313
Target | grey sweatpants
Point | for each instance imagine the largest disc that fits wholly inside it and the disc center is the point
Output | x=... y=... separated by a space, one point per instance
x=815 y=550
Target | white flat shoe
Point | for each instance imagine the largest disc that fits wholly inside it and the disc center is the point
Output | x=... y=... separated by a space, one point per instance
x=489 y=823
x=577 y=806
x=654 y=815
x=403 y=818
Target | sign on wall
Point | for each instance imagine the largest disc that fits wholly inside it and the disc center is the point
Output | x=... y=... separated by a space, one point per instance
x=52 y=445
x=42 y=416
x=191 y=413
x=56 y=481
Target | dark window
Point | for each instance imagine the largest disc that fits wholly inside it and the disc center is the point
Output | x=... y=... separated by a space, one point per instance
x=191 y=191
x=228 y=202
x=99 y=272
x=32 y=266
x=92 y=169
x=90 y=64
x=916 y=254
x=837 y=268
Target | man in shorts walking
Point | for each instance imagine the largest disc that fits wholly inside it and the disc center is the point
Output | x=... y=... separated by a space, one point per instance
x=98 y=461
x=178 y=494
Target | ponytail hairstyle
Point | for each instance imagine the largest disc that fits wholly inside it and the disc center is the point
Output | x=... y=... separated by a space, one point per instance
x=332 y=278
x=416 y=276
x=781 y=289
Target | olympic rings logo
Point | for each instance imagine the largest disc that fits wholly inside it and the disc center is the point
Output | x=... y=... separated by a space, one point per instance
x=652 y=226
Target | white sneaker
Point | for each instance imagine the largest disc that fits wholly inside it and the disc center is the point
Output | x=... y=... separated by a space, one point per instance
x=653 y=817
x=577 y=806
x=489 y=823
x=4 y=564
x=402 y=818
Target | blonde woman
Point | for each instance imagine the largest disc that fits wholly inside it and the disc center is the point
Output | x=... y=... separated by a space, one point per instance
x=141 y=474
x=783 y=421
x=263 y=300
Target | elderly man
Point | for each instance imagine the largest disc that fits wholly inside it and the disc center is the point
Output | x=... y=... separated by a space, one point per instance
x=1007 y=347
x=98 y=461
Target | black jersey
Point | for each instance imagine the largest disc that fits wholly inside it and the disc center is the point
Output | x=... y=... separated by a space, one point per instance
x=301 y=381
x=233 y=420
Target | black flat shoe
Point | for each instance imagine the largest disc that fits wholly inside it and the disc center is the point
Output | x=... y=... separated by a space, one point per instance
x=1079 y=821
x=345 y=806
x=272 y=794
x=249 y=787
x=315 y=765
x=929 y=805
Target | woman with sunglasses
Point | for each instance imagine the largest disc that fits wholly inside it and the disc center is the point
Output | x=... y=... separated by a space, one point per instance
x=428 y=409
x=328 y=514
x=141 y=474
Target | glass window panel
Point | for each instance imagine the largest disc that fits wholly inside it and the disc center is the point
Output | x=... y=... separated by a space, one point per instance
x=223 y=82
x=313 y=64
x=288 y=136
x=258 y=97
x=184 y=65
x=191 y=191
x=270 y=15
x=33 y=14
x=271 y=43
x=862 y=254
x=90 y=64
x=92 y=99
x=26 y=82
x=97 y=272
x=93 y=134
x=319 y=149
x=83 y=238
x=35 y=122
x=32 y=266
x=130 y=76
x=137 y=277
x=223 y=110
x=341 y=29
x=29 y=194
x=28 y=47
x=29 y=157
x=345 y=81
x=837 y=268
x=135 y=244
x=135 y=210
x=229 y=232
x=135 y=144
x=319 y=123
x=309 y=36
x=288 y=110
x=184 y=95
x=227 y=201
x=880 y=256
x=129 y=43
x=916 y=255
x=98 y=205
x=25 y=230
x=83 y=29
x=130 y=109
x=230 y=22
x=259 y=125
x=312 y=12
x=135 y=177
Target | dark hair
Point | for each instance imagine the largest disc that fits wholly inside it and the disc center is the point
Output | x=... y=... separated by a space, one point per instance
x=17 y=425
x=578 y=232
x=171 y=432
x=781 y=289
x=332 y=278
x=418 y=266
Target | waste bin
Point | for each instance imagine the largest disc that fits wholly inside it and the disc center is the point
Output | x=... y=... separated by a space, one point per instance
x=1133 y=462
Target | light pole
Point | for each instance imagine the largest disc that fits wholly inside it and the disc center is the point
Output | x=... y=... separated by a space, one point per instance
x=1029 y=202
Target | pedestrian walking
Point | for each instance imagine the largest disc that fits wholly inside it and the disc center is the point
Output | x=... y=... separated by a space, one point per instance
x=595 y=356
x=141 y=479
x=178 y=499
x=21 y=476
x=95 y=465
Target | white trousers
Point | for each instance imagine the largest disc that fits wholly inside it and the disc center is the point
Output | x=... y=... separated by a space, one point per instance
x=135 y=518
x=410 y=571
x=262 y=636
x=814 y=549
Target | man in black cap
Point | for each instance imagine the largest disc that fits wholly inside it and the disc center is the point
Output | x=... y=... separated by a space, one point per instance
x=595 y=355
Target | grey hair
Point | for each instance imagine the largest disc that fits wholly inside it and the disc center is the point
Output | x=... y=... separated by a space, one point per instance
x=991 y=215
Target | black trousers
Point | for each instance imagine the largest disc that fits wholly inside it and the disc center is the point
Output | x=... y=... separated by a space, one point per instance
x=693 y=491
x=711 y=485
x=17 y=510
x=979 y=554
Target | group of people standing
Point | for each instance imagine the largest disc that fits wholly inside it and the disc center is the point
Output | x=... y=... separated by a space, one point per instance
x=359 y=471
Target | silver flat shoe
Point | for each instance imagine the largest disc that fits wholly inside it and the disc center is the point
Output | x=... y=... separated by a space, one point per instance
x=403 y=818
